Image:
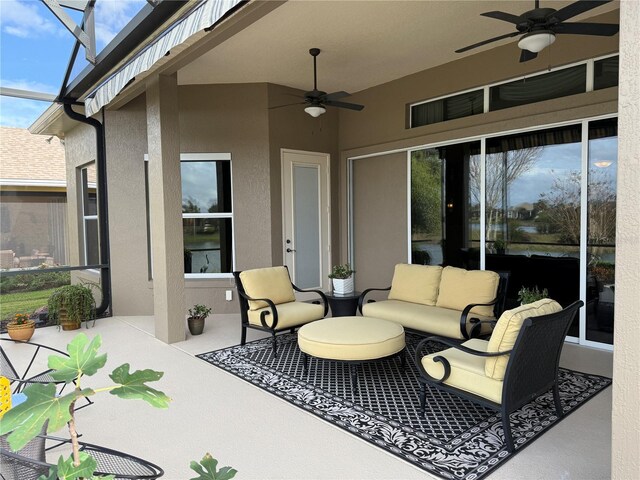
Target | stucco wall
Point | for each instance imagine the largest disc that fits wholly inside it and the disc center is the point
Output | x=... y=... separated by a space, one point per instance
x=131 y=289
x=625 y=451
x=380 y=218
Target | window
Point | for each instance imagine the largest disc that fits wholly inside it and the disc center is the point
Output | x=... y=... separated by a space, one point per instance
x=207 y=217
x=449 y=108
x=559 y=83
x=605 y=73
x=90 y=237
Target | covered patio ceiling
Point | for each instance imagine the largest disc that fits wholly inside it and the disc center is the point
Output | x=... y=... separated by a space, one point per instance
x=363 y=43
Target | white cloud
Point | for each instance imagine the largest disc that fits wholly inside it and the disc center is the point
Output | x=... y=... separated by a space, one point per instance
x=23 y=19
x=111 y=17
x=19 y=112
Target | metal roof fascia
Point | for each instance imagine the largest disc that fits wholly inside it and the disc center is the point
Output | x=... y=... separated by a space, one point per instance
x=132 y=35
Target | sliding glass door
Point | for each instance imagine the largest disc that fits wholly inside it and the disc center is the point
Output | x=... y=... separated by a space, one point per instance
x=539 y=204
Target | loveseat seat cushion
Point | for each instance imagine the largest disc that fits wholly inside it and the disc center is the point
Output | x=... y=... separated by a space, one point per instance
x=467 y=371
x=272 y=283
x=425 y=318
x=506 y=332
x=290 y=314
x=460 y=287
x=415 y=283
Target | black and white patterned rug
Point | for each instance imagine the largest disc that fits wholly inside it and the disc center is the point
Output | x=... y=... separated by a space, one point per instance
x=457 y=439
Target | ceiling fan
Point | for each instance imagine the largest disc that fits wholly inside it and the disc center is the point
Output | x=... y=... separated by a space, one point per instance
x=316 y=100
x=540 y=26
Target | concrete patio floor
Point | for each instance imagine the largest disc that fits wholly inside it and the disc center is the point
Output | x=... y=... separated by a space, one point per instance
x=264 y=437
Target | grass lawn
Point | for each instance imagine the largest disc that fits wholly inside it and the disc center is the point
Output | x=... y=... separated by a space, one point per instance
x=23 y=302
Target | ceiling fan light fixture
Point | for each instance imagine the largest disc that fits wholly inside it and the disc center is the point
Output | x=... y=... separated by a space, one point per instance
x=315 y=110
x=537 y=41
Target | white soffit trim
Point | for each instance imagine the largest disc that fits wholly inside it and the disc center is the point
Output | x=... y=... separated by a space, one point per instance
x=204 y=16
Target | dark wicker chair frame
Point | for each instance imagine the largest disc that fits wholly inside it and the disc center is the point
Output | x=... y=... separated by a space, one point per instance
x=24 y=466
x=532 y=369
x=269 y=325
x=20 y=381
x=498 y=307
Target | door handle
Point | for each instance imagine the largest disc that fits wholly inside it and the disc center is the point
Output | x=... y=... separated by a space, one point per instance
x=289 y=250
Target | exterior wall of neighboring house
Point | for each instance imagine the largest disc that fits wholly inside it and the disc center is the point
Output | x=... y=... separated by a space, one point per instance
x=383 y=125
x=213 y=119
x=33 y=200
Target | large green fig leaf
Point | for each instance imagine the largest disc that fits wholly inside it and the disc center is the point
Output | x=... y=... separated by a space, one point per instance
x=133 y=385
x=82 y=359
x=209 y=471
x=66 y=470
x=26 y=420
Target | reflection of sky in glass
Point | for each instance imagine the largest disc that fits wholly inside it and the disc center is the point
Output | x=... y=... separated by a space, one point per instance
x=601 y=150
x=199 y=184
x=553 y=161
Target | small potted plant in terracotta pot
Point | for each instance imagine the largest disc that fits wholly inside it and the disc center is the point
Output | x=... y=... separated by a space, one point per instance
x=21 y=328
x=197 y=315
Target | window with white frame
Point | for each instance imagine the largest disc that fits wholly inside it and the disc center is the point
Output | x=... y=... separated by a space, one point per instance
x=207 y=214
x=90 y=254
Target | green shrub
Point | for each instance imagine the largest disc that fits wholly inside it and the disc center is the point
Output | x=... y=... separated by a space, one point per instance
x=33 y=281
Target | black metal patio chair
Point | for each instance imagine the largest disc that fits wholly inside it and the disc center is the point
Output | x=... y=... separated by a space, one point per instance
x=29 y=465
x=529 y=370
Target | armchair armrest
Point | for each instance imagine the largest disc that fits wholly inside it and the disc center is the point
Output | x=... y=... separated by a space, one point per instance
x=322 y=296
x=364 y=294
x=445 y=363
x=465 y=314
x=264 y=313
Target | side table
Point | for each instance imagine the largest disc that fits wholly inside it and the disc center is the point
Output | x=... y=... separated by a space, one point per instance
x=343 y=304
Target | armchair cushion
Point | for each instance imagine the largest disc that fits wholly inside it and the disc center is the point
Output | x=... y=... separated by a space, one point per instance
x=415 y=283
x=460 y=287
x=506 y=332
x=290 y=314
x=272 y=283
x=467 y=371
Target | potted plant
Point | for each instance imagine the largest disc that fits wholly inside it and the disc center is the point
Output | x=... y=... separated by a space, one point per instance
x=197 y=315
x=342 y=278
x=72 y=304
x=499 y=246
x=21 y=328
x=530 y=295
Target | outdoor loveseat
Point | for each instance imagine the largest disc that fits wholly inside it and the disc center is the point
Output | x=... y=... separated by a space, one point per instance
x=450 y=302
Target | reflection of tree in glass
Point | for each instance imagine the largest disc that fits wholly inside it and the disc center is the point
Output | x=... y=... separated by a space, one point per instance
x=561 y=208
x=190 y=207
x=426 y=193
x=502 y=169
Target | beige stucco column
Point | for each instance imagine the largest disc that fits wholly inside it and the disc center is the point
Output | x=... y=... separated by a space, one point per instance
x=625 y=445
x=165 y=208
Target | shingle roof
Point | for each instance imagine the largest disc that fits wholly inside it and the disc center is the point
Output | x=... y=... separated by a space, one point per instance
x=27 y=157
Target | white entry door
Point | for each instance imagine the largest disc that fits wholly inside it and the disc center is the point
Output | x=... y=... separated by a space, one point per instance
x=306 y=204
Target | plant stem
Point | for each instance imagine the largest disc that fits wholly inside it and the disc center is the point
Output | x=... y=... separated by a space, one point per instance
x=74 y=435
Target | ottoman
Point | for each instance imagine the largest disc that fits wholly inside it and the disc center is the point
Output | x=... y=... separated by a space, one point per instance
x=353 y=340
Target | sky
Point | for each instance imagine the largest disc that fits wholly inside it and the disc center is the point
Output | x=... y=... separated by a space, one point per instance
x=35 y=49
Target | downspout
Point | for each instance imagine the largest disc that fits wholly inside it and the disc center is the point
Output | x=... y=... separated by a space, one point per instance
x=103 y=211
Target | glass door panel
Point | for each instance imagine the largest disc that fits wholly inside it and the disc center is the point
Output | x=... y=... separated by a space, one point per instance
x=601 y=229
x=532 y=197
x=306 y=225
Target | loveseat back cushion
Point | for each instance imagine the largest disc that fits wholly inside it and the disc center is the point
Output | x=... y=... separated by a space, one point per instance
x=415 y=283
x=506 y=332
x=272 y=283
x=460 y=287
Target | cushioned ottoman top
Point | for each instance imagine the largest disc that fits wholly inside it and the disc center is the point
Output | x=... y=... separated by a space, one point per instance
x=351 y=338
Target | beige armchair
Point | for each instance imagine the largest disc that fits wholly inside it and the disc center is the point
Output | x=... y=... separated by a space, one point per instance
x=268 y=302
x=516 y=365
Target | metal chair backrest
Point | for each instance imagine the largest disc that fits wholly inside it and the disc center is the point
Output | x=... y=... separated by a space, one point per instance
x=533 y=364
x=501 y=295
